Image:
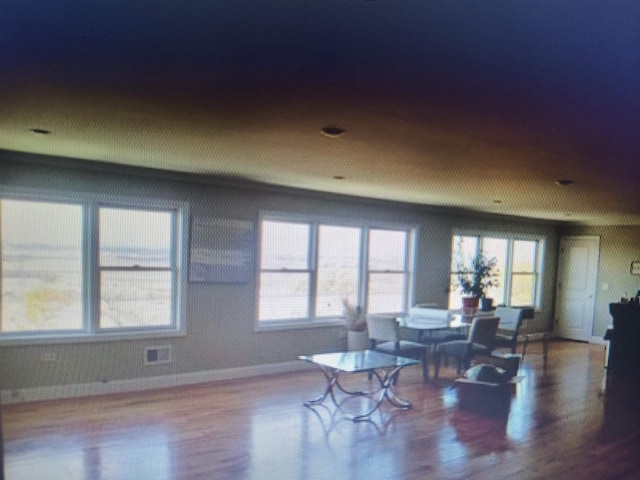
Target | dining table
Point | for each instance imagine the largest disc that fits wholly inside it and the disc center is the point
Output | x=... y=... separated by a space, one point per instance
x=427 y=328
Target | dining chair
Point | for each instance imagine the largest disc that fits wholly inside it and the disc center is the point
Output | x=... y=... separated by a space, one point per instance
x=432 y=323
x=480 y=341
x=511 y=319
x=384 y=335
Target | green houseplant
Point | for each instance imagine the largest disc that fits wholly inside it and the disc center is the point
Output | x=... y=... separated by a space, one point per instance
x=475 y=276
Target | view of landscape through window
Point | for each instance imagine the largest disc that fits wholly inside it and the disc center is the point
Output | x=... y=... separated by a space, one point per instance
x=306 y=269
x=289 y=250
x=42 y=269
x=516 y=266
x=338 y=268
x=388 y=260
x=135 y=268
x=41 y=266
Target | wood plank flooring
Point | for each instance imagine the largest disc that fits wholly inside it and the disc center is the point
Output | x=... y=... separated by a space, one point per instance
x=559 y=426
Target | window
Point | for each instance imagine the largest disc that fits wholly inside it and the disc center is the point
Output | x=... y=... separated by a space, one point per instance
x=338 y=268
x=308 y=267
x=387 y=271
x=136 y=268
x=40 y=266
x=518 y=266
x=79 y=267
x=523 y=272
x=284 y=278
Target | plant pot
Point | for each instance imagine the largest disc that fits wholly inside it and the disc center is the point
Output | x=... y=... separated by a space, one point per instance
x=486 y=304
x=469 y=306
x=357 y=340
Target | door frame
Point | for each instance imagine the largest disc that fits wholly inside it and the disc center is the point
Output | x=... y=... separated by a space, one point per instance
x=594 y=292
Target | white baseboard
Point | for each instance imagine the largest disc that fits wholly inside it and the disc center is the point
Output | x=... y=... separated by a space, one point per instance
x=598 y=341
x=56 y=392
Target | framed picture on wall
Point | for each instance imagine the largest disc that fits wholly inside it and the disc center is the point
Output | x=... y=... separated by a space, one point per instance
x=635 y=268
x=221 y=250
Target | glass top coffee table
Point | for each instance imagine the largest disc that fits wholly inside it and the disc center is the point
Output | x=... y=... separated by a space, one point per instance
x=382 y=366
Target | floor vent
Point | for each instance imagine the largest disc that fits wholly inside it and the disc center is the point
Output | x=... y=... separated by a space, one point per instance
x=155 y=355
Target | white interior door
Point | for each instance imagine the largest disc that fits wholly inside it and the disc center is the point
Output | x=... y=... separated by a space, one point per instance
x=576 y=288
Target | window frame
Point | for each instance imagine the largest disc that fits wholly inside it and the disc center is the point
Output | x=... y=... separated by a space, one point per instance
x=308 y=271
x=90 y=294
x=406 y=273
x=536 y=273
x=315 y=221
x=511 y=238
x=316 y=242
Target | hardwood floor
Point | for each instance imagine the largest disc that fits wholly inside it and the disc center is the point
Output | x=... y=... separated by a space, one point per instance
x=559 y=426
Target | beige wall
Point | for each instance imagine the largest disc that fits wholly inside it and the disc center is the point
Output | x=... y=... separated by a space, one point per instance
x=220 y=318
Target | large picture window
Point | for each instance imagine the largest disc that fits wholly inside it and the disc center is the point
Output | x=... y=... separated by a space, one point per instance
x=86 y=268
x=308 y=267
x=518 y=264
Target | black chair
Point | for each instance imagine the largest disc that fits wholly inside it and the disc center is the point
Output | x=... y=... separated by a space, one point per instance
x=479 y=341
x=511 y=320
x=384 y=334
x=513 y=326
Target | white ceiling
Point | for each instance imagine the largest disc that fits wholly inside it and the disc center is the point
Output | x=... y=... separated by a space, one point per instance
x=445 y=102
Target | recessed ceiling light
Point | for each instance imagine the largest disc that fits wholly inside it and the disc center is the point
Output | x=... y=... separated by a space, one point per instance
x=40 y=131
x=564 y=182
x=332 y=132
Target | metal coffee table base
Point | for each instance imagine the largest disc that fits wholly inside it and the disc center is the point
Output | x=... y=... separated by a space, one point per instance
x=332 y=365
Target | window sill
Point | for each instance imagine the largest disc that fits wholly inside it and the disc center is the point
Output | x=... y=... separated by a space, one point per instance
x=300 y=324
x=17 y=340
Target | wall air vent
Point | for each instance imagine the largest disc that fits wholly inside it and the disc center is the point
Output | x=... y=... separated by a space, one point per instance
x=155 y=355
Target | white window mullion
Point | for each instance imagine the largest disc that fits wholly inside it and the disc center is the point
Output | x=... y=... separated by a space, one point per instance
x=363 y=287
x=312 y=263
x=408 y=271
x=173 y=240
x=536 y=272
x=174 y=250
x=508 y=273
x=91 y=306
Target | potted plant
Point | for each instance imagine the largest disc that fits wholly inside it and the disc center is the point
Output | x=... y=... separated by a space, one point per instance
x=356 y=323
x=473 y=279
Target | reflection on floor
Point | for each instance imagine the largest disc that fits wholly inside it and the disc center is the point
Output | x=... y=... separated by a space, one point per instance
x=559 y=425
